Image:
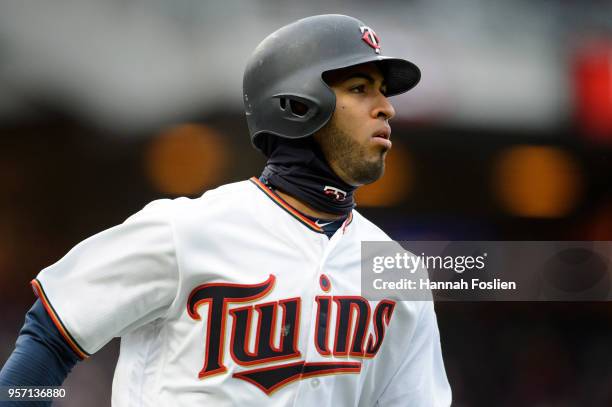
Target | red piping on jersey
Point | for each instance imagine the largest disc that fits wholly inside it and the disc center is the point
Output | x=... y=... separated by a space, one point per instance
x=347 y=222
x=285 y=205
x=40 y=293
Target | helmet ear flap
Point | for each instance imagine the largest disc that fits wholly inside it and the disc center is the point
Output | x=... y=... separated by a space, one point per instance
x=296 y=108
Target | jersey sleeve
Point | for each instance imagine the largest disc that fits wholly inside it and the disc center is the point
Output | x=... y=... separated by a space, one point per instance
x=113 y=282
x=421 y=379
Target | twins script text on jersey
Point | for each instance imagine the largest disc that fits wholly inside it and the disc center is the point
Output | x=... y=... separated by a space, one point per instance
x=351 y=311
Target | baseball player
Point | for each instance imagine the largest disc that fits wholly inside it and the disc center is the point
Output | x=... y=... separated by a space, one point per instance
x=250 y=294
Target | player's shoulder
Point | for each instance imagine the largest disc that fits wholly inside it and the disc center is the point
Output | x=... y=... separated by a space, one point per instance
x=233 y=190
x=227 y=197
x=367 y=229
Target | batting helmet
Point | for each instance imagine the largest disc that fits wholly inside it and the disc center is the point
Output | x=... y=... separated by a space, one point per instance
x=287 y=67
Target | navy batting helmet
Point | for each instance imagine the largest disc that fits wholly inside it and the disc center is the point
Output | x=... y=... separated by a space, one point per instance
x=286 y=71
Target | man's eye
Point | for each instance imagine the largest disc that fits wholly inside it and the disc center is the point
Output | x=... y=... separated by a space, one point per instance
x=358 y=89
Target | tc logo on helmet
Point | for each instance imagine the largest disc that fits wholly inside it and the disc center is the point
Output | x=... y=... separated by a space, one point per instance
x=370 y=37
x=335 y=193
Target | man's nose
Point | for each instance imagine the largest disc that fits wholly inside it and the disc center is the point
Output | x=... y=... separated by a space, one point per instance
x=383 y=108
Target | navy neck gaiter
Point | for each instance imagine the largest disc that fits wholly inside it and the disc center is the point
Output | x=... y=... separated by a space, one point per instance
x=298 y=168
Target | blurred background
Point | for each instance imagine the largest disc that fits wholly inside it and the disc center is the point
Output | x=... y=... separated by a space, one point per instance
x=107 y=105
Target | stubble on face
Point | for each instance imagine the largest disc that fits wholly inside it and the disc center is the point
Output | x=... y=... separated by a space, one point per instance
x=348 y=158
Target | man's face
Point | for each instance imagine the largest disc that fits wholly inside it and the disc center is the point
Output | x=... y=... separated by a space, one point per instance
x=356 y=139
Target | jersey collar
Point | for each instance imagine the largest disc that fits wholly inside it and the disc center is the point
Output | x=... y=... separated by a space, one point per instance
x=292 y=211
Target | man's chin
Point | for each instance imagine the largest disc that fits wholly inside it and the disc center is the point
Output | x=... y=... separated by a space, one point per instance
x=370 y=175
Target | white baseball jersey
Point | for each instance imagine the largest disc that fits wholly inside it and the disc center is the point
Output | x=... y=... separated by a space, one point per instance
x=236 y=299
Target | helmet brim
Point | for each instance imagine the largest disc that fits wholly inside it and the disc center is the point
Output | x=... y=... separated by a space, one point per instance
x=400 y=75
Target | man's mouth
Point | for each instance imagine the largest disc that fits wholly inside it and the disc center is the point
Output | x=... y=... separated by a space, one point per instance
x=383 y=137
x=383 y=133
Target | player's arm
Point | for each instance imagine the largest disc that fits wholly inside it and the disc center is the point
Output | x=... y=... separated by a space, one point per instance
x=41 y=356
x=421 y=379
x=113 y=282
x=133 y=264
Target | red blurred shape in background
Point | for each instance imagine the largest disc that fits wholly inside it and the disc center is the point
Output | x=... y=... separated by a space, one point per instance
x=592 y=69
